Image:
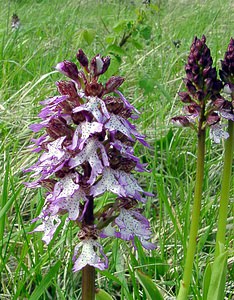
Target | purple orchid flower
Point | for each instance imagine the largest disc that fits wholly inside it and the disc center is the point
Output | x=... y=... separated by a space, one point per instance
x=87 y=149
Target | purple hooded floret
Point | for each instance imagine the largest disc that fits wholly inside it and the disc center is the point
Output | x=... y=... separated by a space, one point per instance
x=130 y=223
x=87 y=149
x=48 y=226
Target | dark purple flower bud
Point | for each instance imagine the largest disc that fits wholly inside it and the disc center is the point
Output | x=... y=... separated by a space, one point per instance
x=78 y=117
x=67 y=88
x=219 y=102
x=227 y=72
x=181 y=121
x=114 y=104
x=94 y=89
x=217 y=86
x=68 y=68
x=82 y=58
x=185 y=97
x=99 y=65
x=192 y=109
x=190 y=87
x=208 y=83
x=57 y=127
x=106 y=65
x=213 y=118
x=113 y=83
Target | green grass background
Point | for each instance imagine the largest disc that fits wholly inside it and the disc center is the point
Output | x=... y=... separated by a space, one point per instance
x=52 y=31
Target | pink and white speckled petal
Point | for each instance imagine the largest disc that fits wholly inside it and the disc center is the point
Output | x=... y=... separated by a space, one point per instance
x=89 y=256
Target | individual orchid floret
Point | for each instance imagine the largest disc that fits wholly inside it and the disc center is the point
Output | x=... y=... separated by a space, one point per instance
x=130 y=224
x=109 y=183
x=83 y=132
x=89 y=256
x=50 y=161
x=93 y=106
x=99 y=65
x=68 y=68
x=48 y=226
x=217 y=133
x=86 y=252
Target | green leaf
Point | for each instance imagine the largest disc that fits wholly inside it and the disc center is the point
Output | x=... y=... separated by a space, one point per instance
x=146 y=32
x=46 y=281
x=136 y=44
x=120 y=26
x=116 y=50
x=4 y=203
x=88 y=36
x=102 y=295
x=150 y=288
x=218 y=278
x=206 y=280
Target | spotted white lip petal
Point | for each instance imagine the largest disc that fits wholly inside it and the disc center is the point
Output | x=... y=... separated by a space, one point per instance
x=114 y=123
x=89 y=153
x=67 y=195
x=108 y=182
x=55 y=150
x=93 y=106
x=72 y=204
x=48 y=226
x=130 y=185
x=131 y=223
x=83 y=132
x=68 y=186
x=89 y=256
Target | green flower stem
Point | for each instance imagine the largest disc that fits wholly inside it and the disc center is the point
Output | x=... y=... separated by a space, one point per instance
x=225 y=188
x=185 y=283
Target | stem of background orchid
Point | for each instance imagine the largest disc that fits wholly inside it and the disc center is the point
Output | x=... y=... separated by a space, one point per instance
x=191 y=249
x=88 y=272
x=225 y=188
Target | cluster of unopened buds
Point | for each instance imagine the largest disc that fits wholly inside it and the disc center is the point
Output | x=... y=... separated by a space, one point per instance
x=204 y=104
x=87 y=150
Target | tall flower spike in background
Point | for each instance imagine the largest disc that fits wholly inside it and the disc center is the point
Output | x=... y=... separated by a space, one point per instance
x=219 y=267
x=202 y=102
x=87 y=150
